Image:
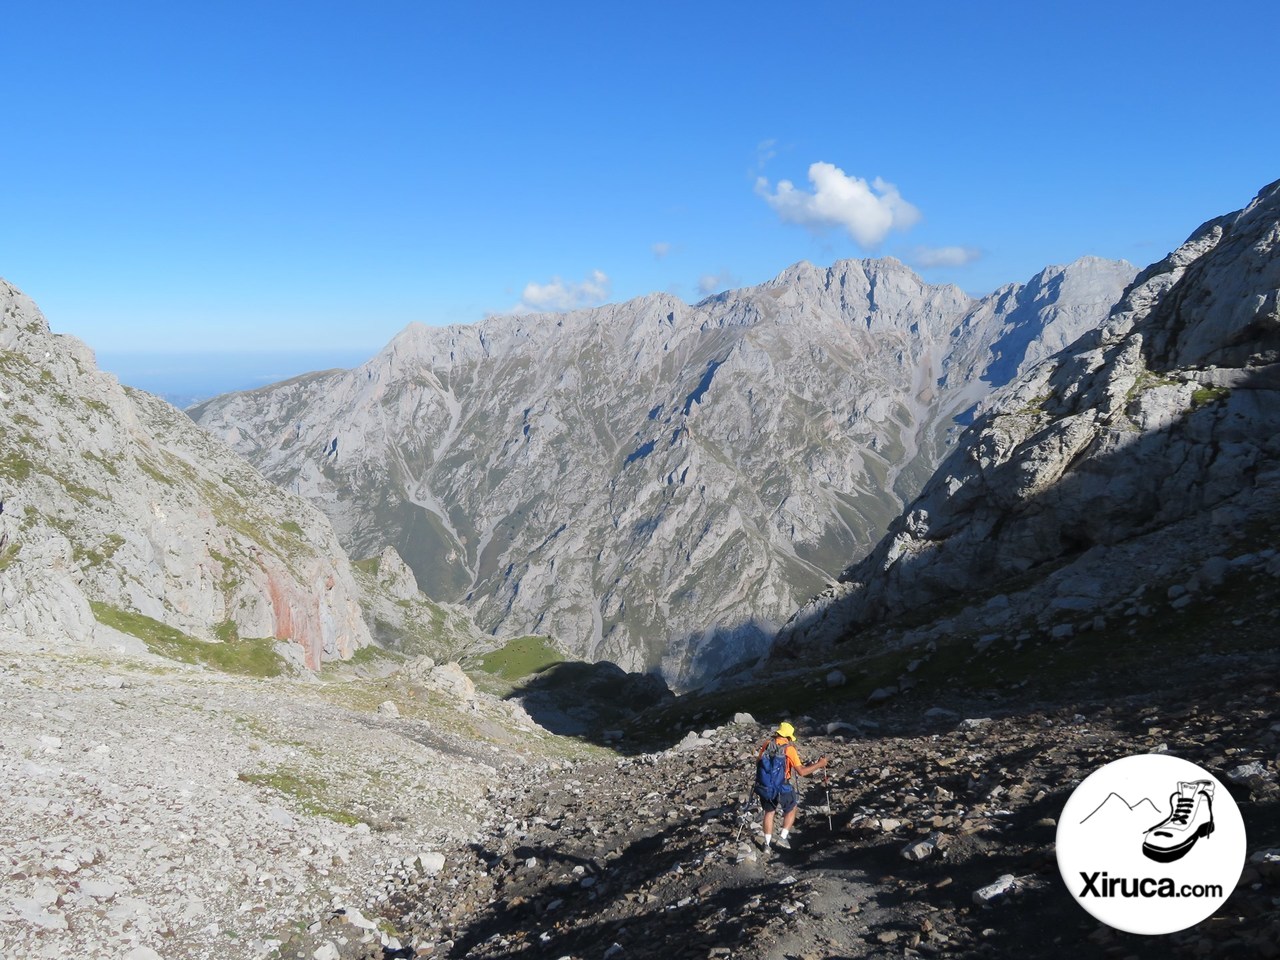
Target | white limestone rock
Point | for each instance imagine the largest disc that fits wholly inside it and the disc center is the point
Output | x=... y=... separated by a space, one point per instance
x=112 y=496
x=654 y=483
x=1165 y=414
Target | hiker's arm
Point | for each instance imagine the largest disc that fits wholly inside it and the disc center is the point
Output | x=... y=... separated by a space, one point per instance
x=818 y=764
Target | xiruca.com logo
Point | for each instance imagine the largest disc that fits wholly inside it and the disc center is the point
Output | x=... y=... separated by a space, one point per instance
x=1151 y=844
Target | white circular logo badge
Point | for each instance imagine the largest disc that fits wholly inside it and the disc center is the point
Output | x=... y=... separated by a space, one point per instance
x=1151 y=844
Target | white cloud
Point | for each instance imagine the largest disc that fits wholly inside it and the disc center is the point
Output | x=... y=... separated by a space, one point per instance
x=558 y=295
x=661 y=249
x=926 y=257
x=709 y=283
x=867 y=211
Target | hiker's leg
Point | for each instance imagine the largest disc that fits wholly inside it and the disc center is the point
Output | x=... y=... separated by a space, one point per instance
x=768 y=823
x=789 y=808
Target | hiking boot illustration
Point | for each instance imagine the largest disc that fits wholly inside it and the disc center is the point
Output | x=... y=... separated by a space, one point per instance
x=1190 y=818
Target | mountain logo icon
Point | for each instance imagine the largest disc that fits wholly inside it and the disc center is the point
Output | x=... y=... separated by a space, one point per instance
x=1144 y=864
x=1116 y=807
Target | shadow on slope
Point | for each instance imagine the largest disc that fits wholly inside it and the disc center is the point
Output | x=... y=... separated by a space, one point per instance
x=591 y=701
x=989 y=542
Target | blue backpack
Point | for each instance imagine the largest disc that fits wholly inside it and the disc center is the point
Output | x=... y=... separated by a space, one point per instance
x=771 y=770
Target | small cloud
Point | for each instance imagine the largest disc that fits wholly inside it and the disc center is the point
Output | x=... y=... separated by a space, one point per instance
x=867 y=211
x=558 y=295
x=709 y=283
x=766 y=150
x=926 y=257
x=661 y=249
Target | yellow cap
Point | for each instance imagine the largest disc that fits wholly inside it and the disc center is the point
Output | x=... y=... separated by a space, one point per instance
x=786 y=730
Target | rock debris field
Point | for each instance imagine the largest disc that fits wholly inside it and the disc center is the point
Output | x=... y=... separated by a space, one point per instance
x=158 y=811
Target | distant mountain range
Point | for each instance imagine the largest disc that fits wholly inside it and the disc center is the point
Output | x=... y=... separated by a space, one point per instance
x=662 y=485
x=654 y=483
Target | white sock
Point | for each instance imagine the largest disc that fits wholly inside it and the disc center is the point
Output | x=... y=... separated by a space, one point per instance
x=768 y=839
x=784 y=833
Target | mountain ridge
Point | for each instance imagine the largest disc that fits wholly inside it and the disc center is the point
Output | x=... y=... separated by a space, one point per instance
x=116 y=512
x=1161 y=416
x=654 y=483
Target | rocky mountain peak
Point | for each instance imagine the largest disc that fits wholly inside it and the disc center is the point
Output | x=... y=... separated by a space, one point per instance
x=1152 y=435
x=652 y=483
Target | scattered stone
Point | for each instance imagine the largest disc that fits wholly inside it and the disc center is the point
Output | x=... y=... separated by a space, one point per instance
x=1003 y=886
x=921 y=849
x=1247 y=772
x=388 y=709
x=430 y=863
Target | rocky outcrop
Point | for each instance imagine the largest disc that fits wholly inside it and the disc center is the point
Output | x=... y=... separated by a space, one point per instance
x=1160 y=427
x=114 y=506
x=653 y=483
x=402 y=619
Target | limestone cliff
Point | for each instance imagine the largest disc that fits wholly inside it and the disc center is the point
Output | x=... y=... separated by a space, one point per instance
x=113 y=504
x=654 y=483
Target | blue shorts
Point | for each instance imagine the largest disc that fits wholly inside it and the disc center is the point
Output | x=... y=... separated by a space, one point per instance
x=786 y=801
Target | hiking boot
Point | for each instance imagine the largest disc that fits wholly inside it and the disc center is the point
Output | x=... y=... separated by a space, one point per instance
x=782 y=843
x=1190 y=818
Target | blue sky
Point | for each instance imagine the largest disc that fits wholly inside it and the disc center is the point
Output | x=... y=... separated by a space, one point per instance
x=310 y=177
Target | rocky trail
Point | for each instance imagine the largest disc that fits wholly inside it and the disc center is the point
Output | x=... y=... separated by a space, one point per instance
x=941 y=839
x=155 y=809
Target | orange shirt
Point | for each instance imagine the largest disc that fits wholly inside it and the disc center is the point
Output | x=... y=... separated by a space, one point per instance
x=792 y=756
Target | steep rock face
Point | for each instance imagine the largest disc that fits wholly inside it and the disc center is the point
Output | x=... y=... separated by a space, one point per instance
x=113 y=496
x=401 y=618
x=654 y=483
x=1168 y=412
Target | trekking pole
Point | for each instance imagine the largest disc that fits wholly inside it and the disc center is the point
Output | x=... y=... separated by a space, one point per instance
x=742 y=822
x=826 y=783
x=742 y=808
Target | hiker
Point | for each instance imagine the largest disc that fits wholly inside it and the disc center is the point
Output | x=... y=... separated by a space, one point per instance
x=776 y=765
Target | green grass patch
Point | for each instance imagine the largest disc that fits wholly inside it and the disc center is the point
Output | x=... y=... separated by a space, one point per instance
x=369 y=566
x=1148 y=380
x=102 y=462
x=305 y=790
x=9 y=554
x=1204 y=396
x=290 y=527
x=154 y=473
x=14 y=466
x=371 y=654
x=97 y=556
x=250 y=658
x=79 y=491
x=521 y=658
